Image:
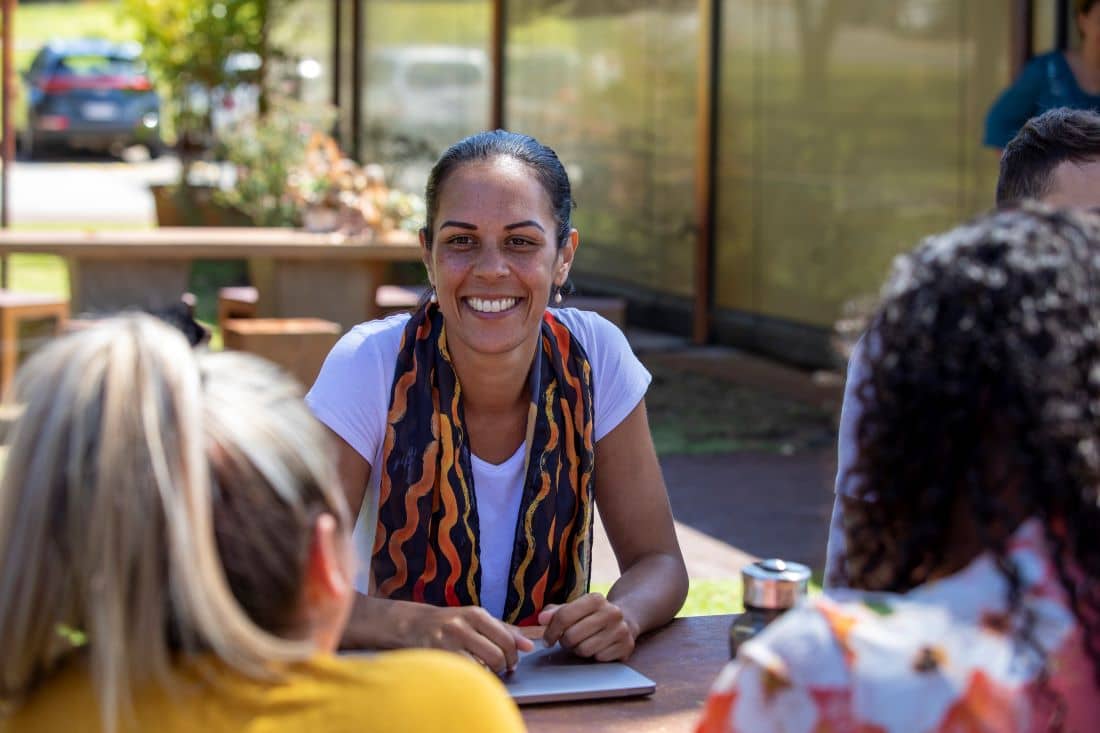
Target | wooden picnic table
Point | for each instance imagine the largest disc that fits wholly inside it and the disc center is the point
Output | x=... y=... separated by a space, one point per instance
x=683 y=658
x=298 y=273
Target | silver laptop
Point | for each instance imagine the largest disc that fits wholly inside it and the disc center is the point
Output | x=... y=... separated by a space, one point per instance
x=555 y=675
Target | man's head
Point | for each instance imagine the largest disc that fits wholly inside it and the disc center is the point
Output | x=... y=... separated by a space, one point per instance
x=1055 y=158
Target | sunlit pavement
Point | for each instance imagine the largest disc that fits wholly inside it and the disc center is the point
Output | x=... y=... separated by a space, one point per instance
x=731 y=508
x=82 y=189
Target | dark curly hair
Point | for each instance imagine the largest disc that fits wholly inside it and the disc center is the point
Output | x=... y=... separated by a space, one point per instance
x=982 y=409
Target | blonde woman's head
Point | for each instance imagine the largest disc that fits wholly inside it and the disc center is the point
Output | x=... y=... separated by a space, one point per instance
x=134 y=462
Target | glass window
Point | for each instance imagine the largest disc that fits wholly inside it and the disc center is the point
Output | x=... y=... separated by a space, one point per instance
x=438 y=75
x=426 y=82
x=848 y=130
x=348 y=110
x=304 y=30
x=1044 y=24
x=97 y=65
x=611 y=87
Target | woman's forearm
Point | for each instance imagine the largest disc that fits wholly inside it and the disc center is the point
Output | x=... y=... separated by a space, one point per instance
x=379 y=623
x=651 y=591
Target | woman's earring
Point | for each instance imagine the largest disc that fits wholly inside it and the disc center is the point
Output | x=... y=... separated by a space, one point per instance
x=557 y=296
x=432 y=298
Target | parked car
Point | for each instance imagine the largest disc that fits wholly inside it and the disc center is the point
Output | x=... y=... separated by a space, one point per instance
x=90 y=94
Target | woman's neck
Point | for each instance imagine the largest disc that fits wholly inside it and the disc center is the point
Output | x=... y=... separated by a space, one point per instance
x=493 y=383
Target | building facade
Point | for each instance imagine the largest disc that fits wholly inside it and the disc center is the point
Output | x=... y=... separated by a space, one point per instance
x=745 y=170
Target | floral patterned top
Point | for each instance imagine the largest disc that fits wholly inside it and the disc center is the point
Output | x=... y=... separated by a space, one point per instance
x=939 y=659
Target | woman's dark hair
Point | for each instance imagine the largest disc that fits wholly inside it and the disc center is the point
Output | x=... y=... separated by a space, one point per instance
x=983 y=400
x=488 y=145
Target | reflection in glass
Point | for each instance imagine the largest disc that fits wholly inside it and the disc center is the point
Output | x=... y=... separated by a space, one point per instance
x=610 y=86
x=303 y=30
x=426 y=82
x=848 y=131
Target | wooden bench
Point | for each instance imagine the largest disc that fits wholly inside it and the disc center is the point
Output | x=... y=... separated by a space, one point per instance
x=298 y=345
x=240 y=301
x=298 y=274
x=17 y=311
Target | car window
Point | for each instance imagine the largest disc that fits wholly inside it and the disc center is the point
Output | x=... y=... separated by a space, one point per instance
x=434 y=74
x=97 y=65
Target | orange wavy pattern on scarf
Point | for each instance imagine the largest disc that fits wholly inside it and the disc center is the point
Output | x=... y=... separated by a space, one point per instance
x=426 y=546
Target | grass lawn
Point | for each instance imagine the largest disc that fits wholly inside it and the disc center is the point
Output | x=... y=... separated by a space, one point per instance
x=705 y=597
x=35 y=24
x=712 y=597
x=34 y=273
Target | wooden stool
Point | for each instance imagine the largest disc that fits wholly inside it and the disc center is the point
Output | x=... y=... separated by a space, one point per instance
x=398 y=298
x=17 y=310
x=298 y=345
x=613 y=309
x=237 y=302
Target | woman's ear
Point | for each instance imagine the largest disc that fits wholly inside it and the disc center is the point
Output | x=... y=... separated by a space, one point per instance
x=566 y=253
x=328 y=575
x=426 y=254
x=328 y=591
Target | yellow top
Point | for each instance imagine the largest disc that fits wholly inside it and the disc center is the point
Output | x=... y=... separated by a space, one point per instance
x=396 y=692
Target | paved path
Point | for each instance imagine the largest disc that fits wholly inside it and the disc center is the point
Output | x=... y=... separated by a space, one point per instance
x=87 y=190
x=731 y=508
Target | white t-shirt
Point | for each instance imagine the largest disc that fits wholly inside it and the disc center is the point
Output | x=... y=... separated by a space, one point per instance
x=352 y=397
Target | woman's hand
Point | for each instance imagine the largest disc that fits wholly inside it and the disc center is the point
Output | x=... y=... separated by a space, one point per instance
x=590 y=626
x=467 y=629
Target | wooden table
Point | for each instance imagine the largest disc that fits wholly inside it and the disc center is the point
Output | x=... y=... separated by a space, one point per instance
x=683 y=658
x=299 y=274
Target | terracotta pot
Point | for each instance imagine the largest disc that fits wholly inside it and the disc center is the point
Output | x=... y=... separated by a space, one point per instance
x=167 y=206
x=193 y=206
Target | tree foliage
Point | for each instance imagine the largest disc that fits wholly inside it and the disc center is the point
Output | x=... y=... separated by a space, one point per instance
x=187 y=42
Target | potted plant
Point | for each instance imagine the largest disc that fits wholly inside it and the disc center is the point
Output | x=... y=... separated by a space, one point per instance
x=261 y=154
x=337 y=194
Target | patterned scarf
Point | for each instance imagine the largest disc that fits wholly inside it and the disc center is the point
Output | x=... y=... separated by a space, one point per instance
x=426 y=548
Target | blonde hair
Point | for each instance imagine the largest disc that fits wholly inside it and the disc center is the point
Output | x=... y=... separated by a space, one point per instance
x=107 y=517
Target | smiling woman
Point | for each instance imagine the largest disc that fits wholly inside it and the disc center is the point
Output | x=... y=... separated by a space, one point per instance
x=478 y=435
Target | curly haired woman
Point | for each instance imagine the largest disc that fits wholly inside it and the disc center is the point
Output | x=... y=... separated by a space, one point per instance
x=977 y=543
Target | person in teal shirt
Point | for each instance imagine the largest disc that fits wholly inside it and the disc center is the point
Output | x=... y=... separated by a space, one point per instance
x=1051 y=80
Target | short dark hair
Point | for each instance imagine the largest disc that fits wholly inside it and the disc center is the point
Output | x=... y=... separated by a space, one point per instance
x=1041 y=145
x=542 y=161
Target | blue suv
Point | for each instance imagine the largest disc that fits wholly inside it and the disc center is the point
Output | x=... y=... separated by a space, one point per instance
x=90 y=94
